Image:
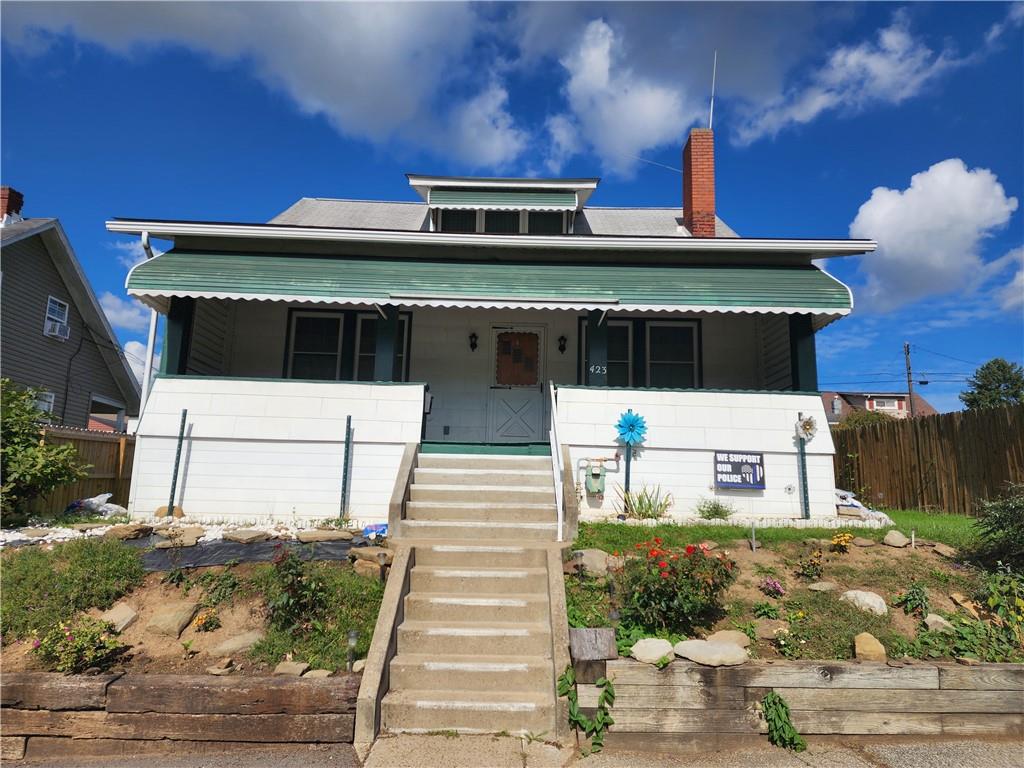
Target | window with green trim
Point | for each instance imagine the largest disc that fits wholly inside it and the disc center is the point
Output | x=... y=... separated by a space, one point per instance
x=366 y=346
x=620 y=352
x=315 y=346
x=671 y=354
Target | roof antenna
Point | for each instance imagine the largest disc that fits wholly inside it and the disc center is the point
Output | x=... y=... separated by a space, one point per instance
x=714 y=72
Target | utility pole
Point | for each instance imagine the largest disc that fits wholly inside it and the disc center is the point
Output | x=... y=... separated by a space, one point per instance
x=910 y=379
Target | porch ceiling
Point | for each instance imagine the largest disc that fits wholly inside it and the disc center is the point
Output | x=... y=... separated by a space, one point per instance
x=419 y=283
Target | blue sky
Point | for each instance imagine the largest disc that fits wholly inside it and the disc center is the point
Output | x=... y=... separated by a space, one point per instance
x=897 y=122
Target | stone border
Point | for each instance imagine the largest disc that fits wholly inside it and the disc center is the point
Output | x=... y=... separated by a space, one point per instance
x=52 y=715
x=687 y=703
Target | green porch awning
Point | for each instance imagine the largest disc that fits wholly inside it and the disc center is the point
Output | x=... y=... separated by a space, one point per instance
x=533 y=285
x=503 y=200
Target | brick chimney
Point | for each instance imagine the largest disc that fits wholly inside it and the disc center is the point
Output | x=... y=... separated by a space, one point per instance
x=699 y=183
x=11 y=201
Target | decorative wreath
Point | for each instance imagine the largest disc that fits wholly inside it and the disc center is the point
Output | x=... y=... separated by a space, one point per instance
x=631 y=427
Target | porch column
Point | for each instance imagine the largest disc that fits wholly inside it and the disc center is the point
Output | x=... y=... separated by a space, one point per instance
x=385 y=363
x=177 y=335
x=596 y=374
x=802 y=357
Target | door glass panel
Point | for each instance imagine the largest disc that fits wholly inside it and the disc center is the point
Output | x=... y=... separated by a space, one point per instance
x=517 y=359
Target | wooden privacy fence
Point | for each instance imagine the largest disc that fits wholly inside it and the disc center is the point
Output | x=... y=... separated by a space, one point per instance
x=945 y=463
x=111 y=455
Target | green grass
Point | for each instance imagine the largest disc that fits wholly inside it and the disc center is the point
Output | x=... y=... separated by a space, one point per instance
x=955 y=530
x=587 y=602
x=39 y=588
x=352 y=602
x=829 y=625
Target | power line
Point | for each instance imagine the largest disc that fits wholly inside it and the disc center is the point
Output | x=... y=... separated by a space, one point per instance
x=949 y=357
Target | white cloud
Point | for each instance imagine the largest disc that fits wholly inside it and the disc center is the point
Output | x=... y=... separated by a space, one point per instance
x=1011 y=295
x=125 y=314
x=564 y=141
x=1014 y=18
x=617 y=112
x=130 y=252
x=485 y=132
x=374 y=70
x=929 y=234
x=888 y=70
x=135 y=352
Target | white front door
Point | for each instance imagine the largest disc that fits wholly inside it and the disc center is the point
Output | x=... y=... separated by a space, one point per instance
x=515 y=408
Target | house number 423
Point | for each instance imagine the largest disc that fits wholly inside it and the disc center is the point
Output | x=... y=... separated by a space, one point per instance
x=599 y=369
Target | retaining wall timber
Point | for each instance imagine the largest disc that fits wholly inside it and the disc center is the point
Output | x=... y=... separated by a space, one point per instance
x=690 y=704
x=51 y=715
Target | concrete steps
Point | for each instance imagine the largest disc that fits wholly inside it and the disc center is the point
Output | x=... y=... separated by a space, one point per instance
x=474 y=648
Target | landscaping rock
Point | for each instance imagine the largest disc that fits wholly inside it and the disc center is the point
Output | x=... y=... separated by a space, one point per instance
x=182 y=531
x=729 y=636
x=967 y=661
x=867 y=648
x=238 y=643
x=359 y=665
x=895 y=539
x=650 y=650
x=121 y=616
x=965 y=603
x=130 y=531
x=866 y=601
x=711 y=654
x=371 y=554
x=709 y=544
x=767 y=629
x=246 y=536
x=945 y=550
x=594 y=561
x=366 y=568
x=823 y=586
x=36 y=533
x=294 y=668
x=171 y=619
x=83 y=527
x=178 y=537
x=308 y=537
x=317 y=673
x=936 y=623
x=860 y=541
x=222 y=667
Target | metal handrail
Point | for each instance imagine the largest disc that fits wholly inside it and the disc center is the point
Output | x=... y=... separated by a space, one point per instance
x=556 y=461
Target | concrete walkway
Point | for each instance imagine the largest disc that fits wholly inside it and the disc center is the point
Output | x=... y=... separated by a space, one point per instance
x=409 y=751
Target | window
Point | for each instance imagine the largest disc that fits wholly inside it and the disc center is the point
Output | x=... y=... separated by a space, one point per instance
x=45 y=401
x=837 y=406
x=501 y=222
x=56 y=310
x=671 y=355
x=546 y=223
x=459 y=221
x=886 y=404
x=620 y=352
x=366 y=346
x=315 y=346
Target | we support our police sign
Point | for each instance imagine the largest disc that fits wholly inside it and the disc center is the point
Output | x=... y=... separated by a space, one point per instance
x=739 y=470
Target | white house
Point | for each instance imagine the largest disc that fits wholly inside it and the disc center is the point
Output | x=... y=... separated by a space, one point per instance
x=469 y=322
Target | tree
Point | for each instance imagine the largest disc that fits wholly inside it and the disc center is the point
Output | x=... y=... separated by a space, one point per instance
x=856 y=419
x=997 y=382
x=28 y=467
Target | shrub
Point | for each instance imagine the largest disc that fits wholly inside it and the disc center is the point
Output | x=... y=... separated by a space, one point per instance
x=713 y=509
x=810 y=568
x=644 y=504
x=674 y=589
x=297 y=596
x=1001 y=529
x=772 y=587
x=841 y=542
x=206 y=621
x=914 y=600
x=40 y=588
x=29 y=469
x=75 y=647
x=857 y=419
x=765 y=611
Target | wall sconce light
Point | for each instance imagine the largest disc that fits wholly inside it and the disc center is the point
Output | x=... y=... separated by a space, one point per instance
x=473 y=339
x=562 y=341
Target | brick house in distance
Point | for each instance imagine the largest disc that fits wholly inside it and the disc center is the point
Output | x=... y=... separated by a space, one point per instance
x=838 y=405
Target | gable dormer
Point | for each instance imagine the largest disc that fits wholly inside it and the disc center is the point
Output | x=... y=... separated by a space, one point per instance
x=503 y=206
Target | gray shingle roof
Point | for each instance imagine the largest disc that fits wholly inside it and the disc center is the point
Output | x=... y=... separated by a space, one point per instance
x=18 y=228
x=412 y=217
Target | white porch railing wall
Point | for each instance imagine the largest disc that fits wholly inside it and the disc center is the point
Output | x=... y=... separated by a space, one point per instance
x=258 y=450
x=684 y=430
x=556 y=461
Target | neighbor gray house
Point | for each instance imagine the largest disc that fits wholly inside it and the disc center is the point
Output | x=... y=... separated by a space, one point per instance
x=54 y=336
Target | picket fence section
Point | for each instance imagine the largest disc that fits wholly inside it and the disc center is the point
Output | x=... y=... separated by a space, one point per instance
x=944 y=463
x=111 y=456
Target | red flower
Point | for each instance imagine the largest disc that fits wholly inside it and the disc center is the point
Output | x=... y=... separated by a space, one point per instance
x=639 y=546
x=664 y=574
x=663 y=564
x=653 y=553
x=690 y=549
x=657 y=541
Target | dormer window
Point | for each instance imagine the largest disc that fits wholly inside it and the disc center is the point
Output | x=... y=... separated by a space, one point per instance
x=454 y=220
x=546 y=223
x=501 y=222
